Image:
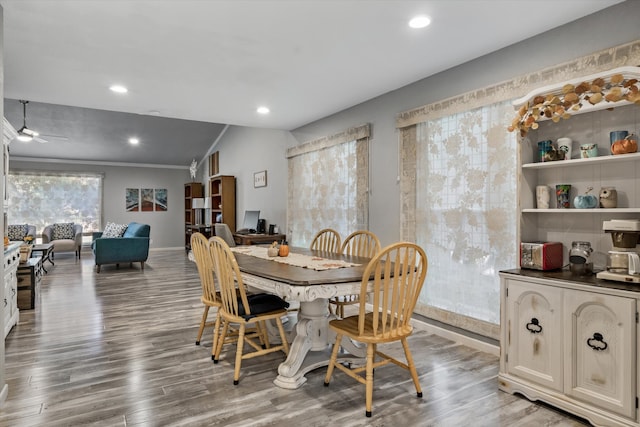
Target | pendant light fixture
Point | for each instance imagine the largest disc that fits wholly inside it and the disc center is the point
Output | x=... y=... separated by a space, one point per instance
x=24 y=133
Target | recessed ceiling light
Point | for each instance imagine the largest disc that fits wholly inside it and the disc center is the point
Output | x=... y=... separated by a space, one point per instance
x=263 y=110
x=420 y=21
x=134 y=141
x=154 y=113
x=118 y=89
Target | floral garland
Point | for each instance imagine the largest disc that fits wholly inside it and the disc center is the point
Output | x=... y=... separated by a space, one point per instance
x=573 y=97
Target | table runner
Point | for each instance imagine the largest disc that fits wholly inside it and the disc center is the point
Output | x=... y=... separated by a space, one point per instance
x=297 y=260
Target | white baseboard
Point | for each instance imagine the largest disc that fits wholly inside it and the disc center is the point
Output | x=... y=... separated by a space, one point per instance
x=459 y=338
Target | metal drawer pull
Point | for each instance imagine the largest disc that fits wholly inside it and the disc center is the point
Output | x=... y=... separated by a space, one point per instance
x=534 y=326
x=597 y=342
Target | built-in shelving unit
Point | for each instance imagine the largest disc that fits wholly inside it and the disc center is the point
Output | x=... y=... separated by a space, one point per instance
x=192 y=190
x=222 y=190
x=554 y=325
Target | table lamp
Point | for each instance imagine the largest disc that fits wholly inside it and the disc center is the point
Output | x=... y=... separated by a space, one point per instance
x=207 y=205
x=197 y=204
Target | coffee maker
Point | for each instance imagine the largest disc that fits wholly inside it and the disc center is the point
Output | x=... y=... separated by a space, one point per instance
x=623 y=262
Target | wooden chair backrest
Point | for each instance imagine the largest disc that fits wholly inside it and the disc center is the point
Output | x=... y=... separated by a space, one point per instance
x=397 y=274
x=228 y=275
x=327 y=240
x=204 y=263
x=361 y=243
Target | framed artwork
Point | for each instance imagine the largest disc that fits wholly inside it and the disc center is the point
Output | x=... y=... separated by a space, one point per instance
x=132 y=199
x=160 y=200
x=260 y=179
x=146 y=198
x=214 y=164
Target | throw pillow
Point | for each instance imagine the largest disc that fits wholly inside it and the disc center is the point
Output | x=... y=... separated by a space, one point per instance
x=17 y=232
x=114 y=230
x=63 y=231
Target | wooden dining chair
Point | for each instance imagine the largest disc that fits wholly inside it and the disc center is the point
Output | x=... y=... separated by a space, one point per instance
x=210 y=297
x=395 y=277
x=243 y=310
x=360 y=243
x=327 y=240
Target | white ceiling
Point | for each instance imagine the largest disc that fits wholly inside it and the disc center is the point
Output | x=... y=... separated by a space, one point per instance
x=216 y=61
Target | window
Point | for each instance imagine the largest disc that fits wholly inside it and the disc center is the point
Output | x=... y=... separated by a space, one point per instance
x=466 y=208
x=328 y=186
x=45 y=198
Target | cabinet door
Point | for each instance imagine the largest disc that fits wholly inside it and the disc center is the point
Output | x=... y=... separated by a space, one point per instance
x=535 y=333
x=601 y=350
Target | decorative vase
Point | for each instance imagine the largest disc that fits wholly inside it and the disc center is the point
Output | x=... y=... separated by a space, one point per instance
x=562 y=195
x=544 y=147
x=542 y=197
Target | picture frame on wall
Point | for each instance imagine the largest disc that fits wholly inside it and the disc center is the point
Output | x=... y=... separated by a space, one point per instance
x=146 y=200
x=260 y=179
x=160 y=200
x=214 y=164
x=132 y=199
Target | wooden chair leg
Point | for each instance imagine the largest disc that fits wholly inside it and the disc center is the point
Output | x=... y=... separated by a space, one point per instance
x=202 y=324
x=142 y=265
x=332 y=361
x=412 y=367
x=371 y=351
x=221 y=338
x=216 y=337
x=236 y=372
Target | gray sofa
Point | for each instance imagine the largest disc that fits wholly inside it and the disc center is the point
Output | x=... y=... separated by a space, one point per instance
x=71 y=242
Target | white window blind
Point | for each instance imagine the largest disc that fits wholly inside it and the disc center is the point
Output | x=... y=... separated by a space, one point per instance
x=329 y=185
x=45 y=198
x=466 y=208
x=322 y=193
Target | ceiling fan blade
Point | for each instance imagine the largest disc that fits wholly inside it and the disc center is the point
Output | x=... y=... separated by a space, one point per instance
x=59 y=138
x=40 y=140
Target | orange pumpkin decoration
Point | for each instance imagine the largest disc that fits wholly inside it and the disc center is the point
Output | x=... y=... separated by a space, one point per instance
x=284 y=249
x=625 y=146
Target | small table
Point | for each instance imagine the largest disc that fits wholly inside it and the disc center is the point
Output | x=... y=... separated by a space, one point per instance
x=45 y=250
x=31 y=268
x=256 y=239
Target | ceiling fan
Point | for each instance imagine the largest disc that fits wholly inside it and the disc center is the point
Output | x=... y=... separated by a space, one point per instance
x=24 y=133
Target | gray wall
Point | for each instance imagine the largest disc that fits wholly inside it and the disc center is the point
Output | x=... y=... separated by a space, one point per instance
x=613 y=26
x=244 y=151
x=167 y=228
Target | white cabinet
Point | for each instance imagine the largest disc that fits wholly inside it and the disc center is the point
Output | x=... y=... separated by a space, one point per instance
x=10 y=310
x=570 y=344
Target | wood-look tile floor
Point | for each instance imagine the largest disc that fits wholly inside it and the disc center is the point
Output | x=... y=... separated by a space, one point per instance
x=118 y=349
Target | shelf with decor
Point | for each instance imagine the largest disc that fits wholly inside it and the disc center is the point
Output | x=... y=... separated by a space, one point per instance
x=631 y=157
x=572 y=211
x=192 y=190
x=222 y=191
x=579 y=110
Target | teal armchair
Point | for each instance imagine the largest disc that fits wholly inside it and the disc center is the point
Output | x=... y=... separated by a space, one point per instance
x=132 y=247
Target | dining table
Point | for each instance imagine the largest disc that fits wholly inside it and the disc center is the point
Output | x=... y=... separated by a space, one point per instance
x=311 y=338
